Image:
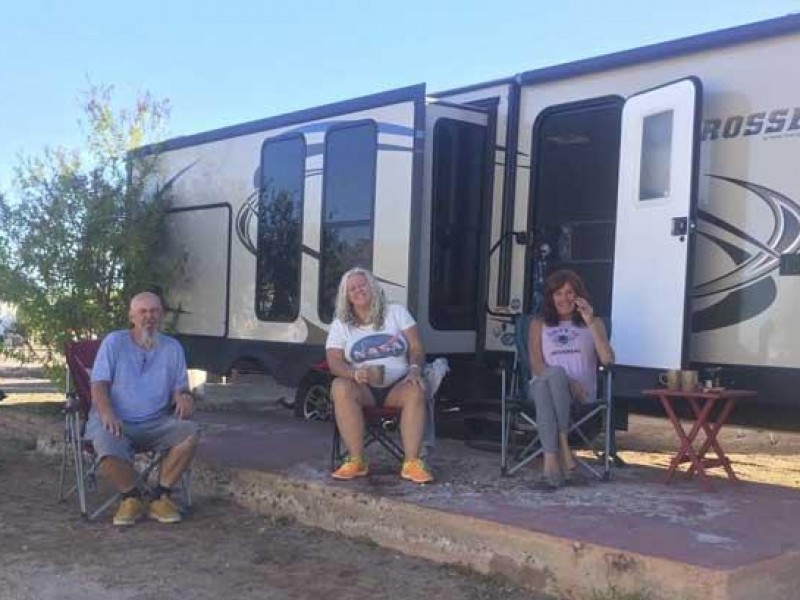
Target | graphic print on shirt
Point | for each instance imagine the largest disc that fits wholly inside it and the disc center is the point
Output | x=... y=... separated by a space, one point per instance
x=379 y=345
x=563 y=340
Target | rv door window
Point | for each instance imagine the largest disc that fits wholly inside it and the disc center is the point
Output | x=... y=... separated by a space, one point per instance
x=347 y=206
x=459 y=152
x=280 y=226
x=656 y=156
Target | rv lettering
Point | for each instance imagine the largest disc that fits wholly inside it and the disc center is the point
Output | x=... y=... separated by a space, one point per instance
x=776 y=121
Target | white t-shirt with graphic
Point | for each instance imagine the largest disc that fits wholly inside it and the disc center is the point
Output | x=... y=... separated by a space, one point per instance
x=364 y=345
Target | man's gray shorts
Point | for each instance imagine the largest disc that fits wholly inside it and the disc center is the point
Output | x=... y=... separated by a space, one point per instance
x=158 y=434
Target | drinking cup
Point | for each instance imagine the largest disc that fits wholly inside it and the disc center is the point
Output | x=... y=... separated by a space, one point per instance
x=375 y=375
x=689 y=380
x=671 y=379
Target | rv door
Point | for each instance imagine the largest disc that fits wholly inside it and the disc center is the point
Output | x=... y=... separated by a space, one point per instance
x=656 y=201
x=452 y=236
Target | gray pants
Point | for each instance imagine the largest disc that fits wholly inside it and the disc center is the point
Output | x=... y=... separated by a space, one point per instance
x=552 y=398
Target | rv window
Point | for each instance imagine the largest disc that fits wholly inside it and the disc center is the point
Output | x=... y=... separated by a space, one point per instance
x=656 y=156
x=280 y=215
x=459 y=156
x=347 y=206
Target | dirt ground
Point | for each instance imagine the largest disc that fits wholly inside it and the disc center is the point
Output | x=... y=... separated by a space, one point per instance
x=220 y=551
x=48 y=552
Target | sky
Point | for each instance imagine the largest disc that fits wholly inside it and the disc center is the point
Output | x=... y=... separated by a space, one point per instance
x=222 y=63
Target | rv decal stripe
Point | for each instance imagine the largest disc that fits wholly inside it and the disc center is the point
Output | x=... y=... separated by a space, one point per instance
x=738 y=306
x=709 y=218
x=737 y=255
x=244 y=220
x=386 y=281
x=323 y=126
x=311 y=252
x=318 y=149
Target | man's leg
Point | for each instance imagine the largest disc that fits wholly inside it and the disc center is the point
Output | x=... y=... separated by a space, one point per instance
x=178 y=438
x=119 y=472
x=177 y=461
x=115 y=456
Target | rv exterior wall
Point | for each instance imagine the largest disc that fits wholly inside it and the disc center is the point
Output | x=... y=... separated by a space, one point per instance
x=226 y=171
x=741 y=307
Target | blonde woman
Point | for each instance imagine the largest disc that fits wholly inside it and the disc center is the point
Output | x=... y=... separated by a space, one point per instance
x=368 y=332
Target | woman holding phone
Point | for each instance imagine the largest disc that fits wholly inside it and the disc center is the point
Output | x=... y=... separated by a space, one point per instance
x=564 y=344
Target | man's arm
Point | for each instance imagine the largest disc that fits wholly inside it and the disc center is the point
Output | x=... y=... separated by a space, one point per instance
x=102 y=402
x=184 y=403
x=182 y=398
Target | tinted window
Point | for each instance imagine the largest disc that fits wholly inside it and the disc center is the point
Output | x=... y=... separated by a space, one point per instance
x=280 y=222
x=459 y=151
x=347 y=207
x=655 y=159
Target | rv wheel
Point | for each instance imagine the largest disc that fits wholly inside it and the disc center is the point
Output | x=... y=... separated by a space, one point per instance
x=313 y=398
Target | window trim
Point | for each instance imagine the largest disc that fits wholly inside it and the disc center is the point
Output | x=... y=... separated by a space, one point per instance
x=272 y=140
x=437 y=320
x=324 y=202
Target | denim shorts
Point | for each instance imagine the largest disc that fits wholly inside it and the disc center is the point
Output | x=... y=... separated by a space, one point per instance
x=159 y=434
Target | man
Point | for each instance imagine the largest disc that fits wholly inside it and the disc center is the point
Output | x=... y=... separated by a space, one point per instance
x=137 y=375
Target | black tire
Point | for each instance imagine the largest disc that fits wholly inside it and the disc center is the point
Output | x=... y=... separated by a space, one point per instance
x=312 y=401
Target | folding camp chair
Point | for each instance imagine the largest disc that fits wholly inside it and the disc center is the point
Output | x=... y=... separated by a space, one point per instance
x=520 y=443
x=79 y=451
x=381 y=423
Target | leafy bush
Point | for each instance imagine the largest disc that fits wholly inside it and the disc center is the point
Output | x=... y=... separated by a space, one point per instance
x=85 y=232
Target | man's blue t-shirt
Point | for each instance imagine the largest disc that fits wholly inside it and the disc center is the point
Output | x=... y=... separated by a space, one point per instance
x=142 y=381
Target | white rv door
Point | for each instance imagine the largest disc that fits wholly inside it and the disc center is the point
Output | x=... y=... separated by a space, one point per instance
x=655 y=209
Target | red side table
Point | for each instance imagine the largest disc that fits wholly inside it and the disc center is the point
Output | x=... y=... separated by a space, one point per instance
x=702 y=403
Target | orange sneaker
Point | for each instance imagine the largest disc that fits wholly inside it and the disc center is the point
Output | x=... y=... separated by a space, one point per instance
x=416 y=471
x=351 y=468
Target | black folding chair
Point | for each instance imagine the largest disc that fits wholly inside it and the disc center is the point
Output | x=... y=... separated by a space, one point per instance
x=520 y=443
x=79 y=451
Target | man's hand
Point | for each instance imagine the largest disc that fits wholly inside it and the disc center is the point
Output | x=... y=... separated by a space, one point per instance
x=184 y=405
x=110 y=422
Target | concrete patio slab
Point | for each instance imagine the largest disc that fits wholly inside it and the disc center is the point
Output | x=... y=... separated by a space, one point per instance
x=634 y=533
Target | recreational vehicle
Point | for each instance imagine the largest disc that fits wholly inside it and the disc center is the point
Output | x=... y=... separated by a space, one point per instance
x=664 y=175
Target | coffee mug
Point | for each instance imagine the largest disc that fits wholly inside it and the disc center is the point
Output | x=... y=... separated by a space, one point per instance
x=670 y=380
x=689 y=381
x=375 y=375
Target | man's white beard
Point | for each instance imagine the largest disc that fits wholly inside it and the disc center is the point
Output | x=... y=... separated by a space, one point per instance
x=147 y=338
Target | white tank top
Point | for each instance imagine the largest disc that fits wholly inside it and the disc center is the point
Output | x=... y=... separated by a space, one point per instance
x=571 y=347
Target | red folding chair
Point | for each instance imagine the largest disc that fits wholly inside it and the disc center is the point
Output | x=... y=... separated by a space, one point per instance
x=78 y=450
x=381 y=423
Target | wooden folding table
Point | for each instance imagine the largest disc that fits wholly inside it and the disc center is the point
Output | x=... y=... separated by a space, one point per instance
x=702 y=403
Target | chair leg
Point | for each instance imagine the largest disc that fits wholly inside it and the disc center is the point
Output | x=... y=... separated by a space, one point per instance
x=186 y=482
x=65 y=452
x=335 y=448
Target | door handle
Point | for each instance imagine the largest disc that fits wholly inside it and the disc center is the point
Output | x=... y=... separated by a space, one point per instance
x=680 y=226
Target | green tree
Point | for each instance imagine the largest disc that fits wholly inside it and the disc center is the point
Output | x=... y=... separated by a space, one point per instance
x=85 y=230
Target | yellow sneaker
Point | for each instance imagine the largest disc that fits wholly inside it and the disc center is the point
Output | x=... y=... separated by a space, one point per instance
x=130 y=510
x=164 y=510
x=416 y=471
x=351 y=468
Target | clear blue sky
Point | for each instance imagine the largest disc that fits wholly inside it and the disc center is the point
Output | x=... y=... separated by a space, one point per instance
x=222 y=63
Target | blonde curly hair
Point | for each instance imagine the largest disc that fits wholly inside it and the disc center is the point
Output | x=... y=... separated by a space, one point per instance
x=344 y=308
